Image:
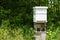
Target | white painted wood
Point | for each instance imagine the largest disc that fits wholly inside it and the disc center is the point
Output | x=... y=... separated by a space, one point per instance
x=38 y=37
x=40 y=14
x=41 y=36
x=41 y=17
x=40 y=10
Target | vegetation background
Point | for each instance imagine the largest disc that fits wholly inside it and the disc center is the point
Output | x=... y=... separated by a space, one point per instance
x=16 y=19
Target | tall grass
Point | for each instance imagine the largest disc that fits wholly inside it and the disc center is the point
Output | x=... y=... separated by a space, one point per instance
x=15 y=32
x=53 y=34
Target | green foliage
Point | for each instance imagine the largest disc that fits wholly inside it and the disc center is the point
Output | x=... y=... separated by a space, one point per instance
x=52 y=34
x=16 y=15
x=7 y=33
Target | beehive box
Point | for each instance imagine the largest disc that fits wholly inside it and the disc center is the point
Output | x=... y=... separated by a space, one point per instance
x=40 y=14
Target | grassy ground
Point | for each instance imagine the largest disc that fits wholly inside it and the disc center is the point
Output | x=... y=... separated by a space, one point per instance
x=53 y=35
x=11 y=32
x=16 y=34
x=24 y=32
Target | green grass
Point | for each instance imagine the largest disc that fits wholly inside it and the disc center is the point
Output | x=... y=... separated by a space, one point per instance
x=11 y=32
x=16 y=34
x=53 y=34
x=24 y=32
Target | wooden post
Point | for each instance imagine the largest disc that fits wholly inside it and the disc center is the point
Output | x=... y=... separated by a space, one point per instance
x=40 y=19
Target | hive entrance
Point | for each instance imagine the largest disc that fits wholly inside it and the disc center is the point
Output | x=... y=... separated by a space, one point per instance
x=38 y=29
x=40 y=26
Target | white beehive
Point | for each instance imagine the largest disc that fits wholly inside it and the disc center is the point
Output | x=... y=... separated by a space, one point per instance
x=40 y=14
